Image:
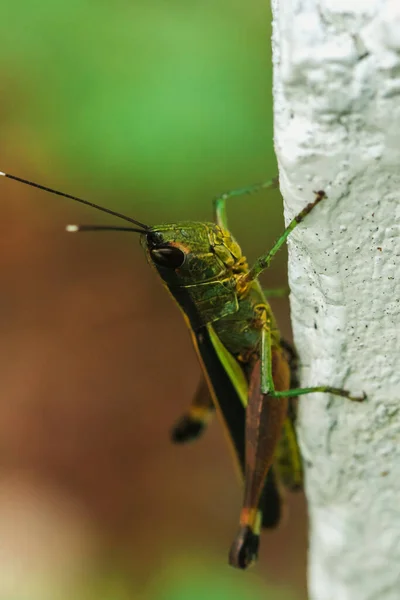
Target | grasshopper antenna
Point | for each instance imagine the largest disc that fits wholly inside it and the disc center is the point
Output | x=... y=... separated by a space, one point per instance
x=76 y=199
x=78 y=228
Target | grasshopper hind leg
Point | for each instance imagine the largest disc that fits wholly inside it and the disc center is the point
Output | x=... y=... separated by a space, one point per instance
x=271 y=502
x=265 y=417
x=192 y=424
x=244 y=550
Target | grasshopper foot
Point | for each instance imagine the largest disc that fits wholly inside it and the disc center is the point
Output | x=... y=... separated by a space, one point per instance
x=244 y=550
x=358 y=398
x=186 y=430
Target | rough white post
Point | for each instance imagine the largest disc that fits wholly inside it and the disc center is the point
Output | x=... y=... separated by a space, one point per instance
x=337 y=128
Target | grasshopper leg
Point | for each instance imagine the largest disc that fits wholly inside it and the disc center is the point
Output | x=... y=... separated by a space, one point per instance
x=265 y=417
x=192 y=424
x=220 y=202
x=264 y=261
x=326 y=389
x=296 y=390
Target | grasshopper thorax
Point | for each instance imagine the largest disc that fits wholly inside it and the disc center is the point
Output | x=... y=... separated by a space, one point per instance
x=190 y=253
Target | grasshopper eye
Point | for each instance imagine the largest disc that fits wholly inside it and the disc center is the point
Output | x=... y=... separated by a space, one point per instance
x=168 y=256
x=154 y=238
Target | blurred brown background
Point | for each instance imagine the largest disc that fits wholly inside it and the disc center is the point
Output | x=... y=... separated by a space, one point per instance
x=150 y=110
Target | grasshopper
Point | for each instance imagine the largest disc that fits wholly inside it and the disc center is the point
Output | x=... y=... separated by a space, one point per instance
x=248 y=371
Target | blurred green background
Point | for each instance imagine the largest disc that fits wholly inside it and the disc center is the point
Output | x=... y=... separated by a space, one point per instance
x=151 y=109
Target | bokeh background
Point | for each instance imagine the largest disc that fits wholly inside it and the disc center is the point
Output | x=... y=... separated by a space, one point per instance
x=150 y=108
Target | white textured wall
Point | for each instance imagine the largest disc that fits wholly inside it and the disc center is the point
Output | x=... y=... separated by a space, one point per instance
x=337 y=128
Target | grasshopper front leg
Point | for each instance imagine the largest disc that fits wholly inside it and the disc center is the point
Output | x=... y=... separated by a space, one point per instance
x=220 y=202
x=264 y=261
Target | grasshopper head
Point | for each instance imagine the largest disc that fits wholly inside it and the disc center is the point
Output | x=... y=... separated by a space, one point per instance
x=189 y=253
x=184 y=254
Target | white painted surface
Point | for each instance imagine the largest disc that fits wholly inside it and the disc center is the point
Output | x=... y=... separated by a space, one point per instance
x=337 y=128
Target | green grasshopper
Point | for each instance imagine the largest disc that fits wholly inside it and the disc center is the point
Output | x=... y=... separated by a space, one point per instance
x=246 y=366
